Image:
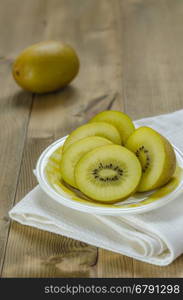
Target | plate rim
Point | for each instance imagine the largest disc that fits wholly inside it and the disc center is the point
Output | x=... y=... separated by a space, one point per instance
x=41 y=177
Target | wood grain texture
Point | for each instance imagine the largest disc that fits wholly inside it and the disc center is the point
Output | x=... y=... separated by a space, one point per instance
x=42 y=254
x=131 y=60
x=15 y=105
x=94 y=35
x=54 y=115
x=152 y=48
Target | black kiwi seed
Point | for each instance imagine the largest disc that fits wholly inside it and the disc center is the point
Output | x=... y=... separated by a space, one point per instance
x=143 y=149
x=96 y=174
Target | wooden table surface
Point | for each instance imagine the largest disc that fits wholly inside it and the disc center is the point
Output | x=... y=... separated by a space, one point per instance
x=131 y=54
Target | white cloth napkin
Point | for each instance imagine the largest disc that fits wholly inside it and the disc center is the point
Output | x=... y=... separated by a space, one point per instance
x=155 y=237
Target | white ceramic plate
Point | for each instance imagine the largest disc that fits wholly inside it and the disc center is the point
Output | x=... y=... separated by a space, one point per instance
x=48 y=176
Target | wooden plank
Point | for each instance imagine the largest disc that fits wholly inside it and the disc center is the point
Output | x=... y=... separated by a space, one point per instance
x=15 y=103
x=147 y=270
x=152 y=56
x=94 y=34
x=47 y=255
x=114 y=265
x=22 y=23
x=37 y=253
x=152 y=48
x=139 y=39
x=13 y=123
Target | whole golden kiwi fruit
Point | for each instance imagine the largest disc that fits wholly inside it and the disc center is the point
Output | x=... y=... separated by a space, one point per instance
x=46 y=67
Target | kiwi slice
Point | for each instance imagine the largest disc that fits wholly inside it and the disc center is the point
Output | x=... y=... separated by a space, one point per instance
x=102 y=129
x=121 y=121
x=108 y=173
x=156 y=155
x=75 y=152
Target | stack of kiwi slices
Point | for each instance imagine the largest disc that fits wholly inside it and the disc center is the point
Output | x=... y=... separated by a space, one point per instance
x=108 y=160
